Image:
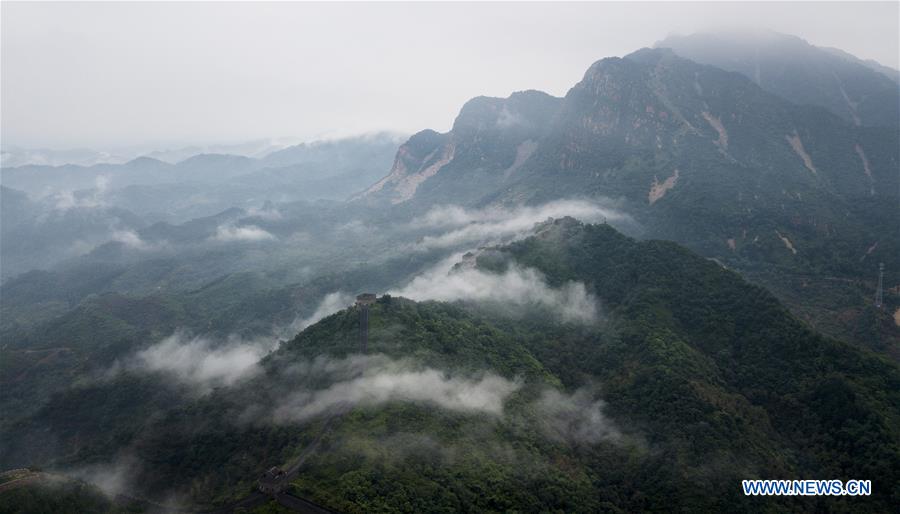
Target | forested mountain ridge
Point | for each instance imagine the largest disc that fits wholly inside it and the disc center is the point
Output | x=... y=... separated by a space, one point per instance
x=786 y=193
x=701 y=354
x=689 y=381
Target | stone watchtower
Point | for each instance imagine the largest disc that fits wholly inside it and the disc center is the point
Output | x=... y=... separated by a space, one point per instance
x=272 y=481
x=363 y=301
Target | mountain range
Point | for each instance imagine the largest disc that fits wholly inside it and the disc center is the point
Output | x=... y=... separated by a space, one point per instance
x=700 y=380
x=15 y=156
x=709 y=319
x=695 y=154
x=322 y=169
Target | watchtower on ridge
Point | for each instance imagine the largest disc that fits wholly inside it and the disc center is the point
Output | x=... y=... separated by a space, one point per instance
x=363 y=301
x=272 y=481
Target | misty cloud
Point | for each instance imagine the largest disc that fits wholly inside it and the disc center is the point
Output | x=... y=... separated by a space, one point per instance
x=357 y=227
x=577 y=418
x=496 y=223
x=372 y=381
x=246 y=233
x=199 y=361
x=68 y=199
x=131 y=239
x=517 y=286
x=331 y=303
x=267 y=213
x=112 y=478
x=508 y=119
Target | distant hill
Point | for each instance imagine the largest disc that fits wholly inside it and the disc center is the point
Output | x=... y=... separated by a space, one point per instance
x=204 y=183
x=40 y=234
x=337 y=153
x=862 y=92
x=12 y=156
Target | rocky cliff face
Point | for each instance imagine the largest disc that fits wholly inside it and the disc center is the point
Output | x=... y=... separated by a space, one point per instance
x=491 y=135
x=700 y=117
x=417 y=159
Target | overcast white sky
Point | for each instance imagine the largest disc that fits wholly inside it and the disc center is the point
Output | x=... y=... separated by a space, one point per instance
x=109 y=75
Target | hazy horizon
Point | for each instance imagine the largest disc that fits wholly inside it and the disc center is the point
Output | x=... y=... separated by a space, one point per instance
x=169 y=75
x=667 y=282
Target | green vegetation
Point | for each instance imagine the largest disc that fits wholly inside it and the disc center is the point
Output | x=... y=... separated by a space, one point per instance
x=692 y=378
x=57 y=495
x=705 y=380
x=723 y=375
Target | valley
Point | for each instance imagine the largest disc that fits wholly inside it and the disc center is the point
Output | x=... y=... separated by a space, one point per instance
x=628 y=298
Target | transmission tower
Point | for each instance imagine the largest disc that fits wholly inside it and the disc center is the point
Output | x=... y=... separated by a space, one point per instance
x=879 y=291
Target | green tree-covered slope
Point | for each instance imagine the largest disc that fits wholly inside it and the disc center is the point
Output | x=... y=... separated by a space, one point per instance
x=690 y=381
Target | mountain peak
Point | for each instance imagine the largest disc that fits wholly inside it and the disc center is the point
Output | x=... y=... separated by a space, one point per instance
x=477 y=112
x=741 y=36
x=650 y=55
x=490 y=134
x=146 y=161
x=520 y=108
x=860 y=92
x=213 y=158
